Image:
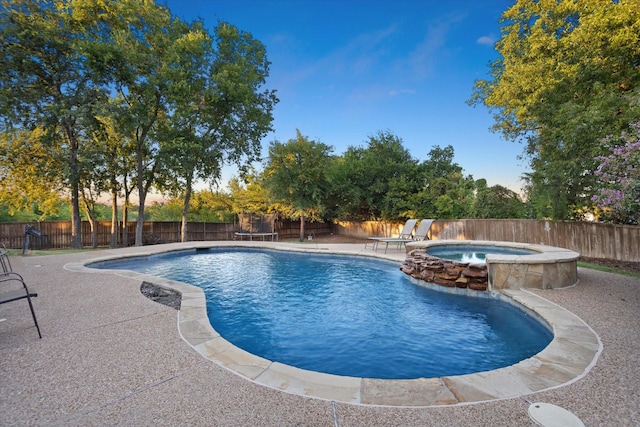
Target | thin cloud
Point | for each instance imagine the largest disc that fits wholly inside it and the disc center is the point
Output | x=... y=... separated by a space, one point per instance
x=357 y=57
x=361 y=54
x=486 y=40
x=422 y=59
x=396 y=92
x=375 y=93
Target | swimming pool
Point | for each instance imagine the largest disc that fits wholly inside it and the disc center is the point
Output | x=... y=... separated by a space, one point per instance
x=348 y=316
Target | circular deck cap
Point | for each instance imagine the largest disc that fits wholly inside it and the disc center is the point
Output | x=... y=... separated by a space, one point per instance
x=548 y=415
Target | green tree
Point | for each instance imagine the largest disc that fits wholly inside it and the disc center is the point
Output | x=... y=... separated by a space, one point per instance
x=27 y=179
x=444 y=190
x=211 y=206
x=206 y=206
x=217 y=114
x=115 y=174
x=296 y=174
x=375 y=182
x=46 y=88
x=96 y=82
x=140 y=54
x=567 y=76
x=164 y=211
x=250 y=197
x=497 y=202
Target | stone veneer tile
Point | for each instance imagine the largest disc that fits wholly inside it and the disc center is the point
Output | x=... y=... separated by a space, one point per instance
x=534 y=277
x=558 y=275
x=536 y=269
x=517 y=276
x=309 y=383
x=194 y=298
x=578 y=333
x=418 y=392
x=574 y=356
x=496 y=384
x=197 y=331
x=188 y=314
x=498 y=274
x=226 y=354
x=554 y=374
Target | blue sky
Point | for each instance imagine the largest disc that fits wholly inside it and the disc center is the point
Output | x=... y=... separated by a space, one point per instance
x=345 y=70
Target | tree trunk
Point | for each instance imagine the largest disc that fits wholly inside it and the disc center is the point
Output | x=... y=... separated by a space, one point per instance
x=302 y=228
x=76 y=222
x=113 y=243
x=125 y=223
x=185 y=212
x=142 y=190
x=92 y=221
x=94 y=233
x=74 y=183
x=140 y=222
x=125 y=213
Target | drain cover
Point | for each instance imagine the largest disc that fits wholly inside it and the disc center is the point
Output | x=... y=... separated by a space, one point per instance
x=548 y=415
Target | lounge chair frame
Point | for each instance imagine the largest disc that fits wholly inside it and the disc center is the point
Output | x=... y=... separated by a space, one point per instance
x=19 y=289
x=405 y=233
x=422 y=233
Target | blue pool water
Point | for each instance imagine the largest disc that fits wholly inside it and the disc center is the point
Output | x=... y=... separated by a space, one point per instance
x=473 y=253
x=347 y=315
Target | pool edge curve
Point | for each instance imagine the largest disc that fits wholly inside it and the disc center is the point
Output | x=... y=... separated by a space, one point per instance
x=573 y=351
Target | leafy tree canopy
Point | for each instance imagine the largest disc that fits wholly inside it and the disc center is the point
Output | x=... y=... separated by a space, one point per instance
x=373 y=182
x=497 y=202
x=567 y=76
x=444 y=191
x=113 y=94
x=251 y=197
x=296 y=174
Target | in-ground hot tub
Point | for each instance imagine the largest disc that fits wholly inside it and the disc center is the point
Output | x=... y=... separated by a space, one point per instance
x=532 y=266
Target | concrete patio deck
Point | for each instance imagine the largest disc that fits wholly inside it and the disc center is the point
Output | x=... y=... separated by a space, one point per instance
x=111 y=356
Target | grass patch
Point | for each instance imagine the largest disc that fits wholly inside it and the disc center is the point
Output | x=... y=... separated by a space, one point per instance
x=607 y=269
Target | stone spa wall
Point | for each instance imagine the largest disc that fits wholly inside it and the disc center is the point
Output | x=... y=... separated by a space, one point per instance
x=548 y=267
x=420 y=265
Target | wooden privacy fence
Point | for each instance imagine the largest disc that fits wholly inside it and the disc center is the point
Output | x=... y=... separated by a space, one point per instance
x=57 y=234
x=593 y=240
x=590 y=239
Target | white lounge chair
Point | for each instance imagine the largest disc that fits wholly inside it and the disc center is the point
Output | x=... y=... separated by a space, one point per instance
x=405 y=233
x=422 y=233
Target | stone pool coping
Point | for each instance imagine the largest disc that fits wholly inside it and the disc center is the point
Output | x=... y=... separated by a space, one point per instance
x=573 y=351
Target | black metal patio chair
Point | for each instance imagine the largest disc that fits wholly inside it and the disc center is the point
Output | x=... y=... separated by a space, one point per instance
x=13 y=287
